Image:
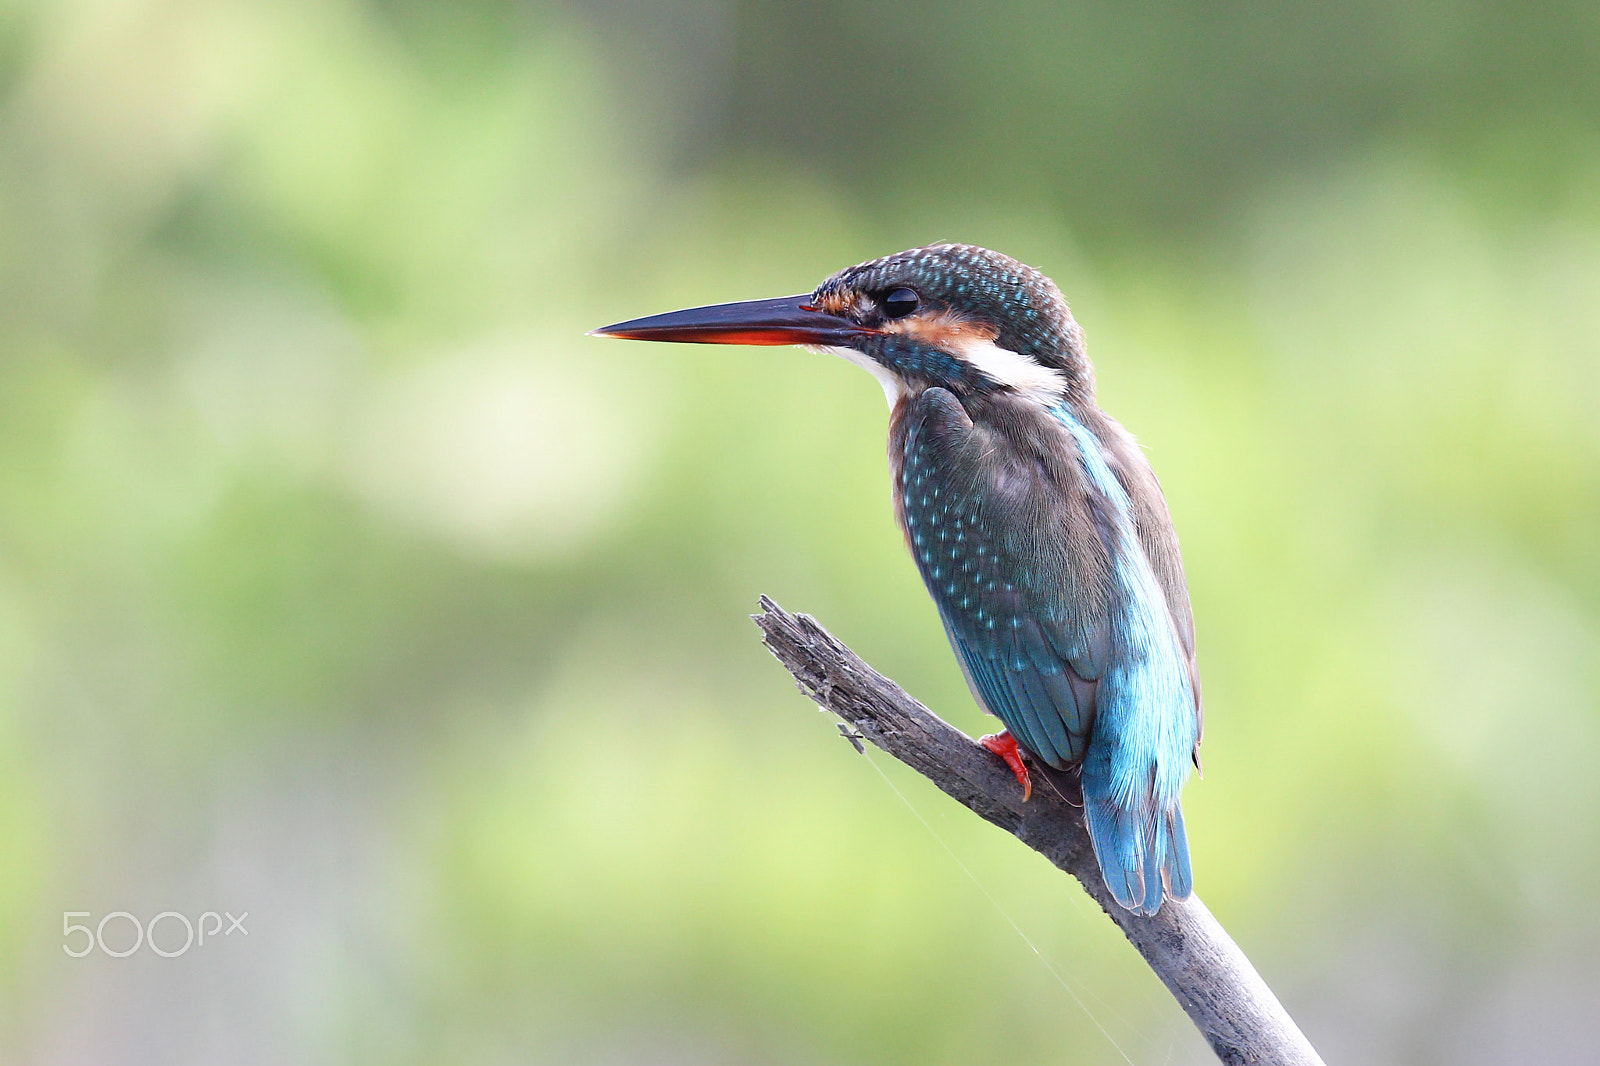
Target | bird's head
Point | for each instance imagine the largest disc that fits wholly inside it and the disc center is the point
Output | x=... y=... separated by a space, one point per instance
x=952 y=315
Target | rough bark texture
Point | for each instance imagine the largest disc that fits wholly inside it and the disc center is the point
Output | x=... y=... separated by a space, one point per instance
x=1194 y=957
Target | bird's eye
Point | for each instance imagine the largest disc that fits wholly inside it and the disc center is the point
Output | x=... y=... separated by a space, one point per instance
x=900 y=303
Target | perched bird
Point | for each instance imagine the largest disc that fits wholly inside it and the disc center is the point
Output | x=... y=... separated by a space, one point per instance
x=1037 y=524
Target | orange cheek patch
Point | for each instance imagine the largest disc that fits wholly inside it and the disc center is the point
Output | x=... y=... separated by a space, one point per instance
x=944 y=330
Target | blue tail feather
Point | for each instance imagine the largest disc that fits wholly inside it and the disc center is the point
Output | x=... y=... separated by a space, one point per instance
x=1143 y=854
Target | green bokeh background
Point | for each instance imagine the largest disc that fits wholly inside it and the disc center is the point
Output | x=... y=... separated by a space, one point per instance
x=345 y=582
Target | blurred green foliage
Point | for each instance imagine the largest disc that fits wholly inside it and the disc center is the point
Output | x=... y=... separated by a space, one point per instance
x=344 y=581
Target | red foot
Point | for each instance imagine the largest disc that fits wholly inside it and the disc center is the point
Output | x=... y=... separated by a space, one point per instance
x=1004 y=745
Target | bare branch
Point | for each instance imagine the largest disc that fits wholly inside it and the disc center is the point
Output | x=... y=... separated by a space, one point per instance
x=1194 y=957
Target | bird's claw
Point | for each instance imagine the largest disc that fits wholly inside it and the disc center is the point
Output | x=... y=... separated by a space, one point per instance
x=1004 y=745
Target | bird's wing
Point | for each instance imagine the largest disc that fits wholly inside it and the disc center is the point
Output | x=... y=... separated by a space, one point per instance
x=1019 y=571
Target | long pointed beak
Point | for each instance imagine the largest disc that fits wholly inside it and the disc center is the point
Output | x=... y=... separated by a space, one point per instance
x=787 y=320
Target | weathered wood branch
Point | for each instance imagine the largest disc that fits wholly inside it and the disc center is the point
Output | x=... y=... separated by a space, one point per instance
x=1194 y=957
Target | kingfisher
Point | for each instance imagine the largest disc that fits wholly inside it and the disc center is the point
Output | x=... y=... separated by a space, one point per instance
x=1035 y=520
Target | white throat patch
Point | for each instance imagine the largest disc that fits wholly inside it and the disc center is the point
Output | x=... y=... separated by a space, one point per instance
x=894 y=387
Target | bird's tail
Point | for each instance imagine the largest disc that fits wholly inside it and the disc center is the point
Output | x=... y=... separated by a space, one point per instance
x=1142 y=848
